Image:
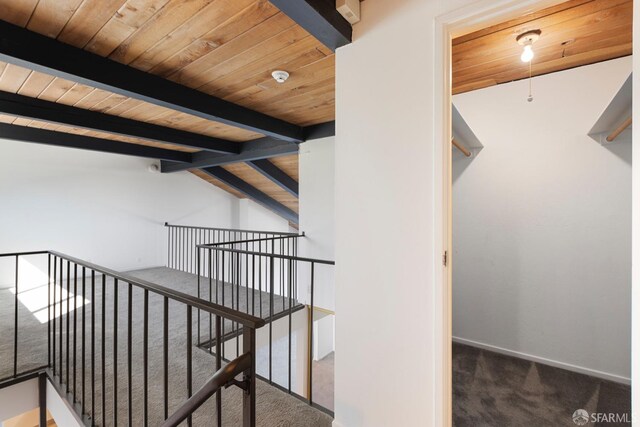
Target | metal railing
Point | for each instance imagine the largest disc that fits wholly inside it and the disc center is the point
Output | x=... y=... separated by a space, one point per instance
x=89 y=309
x=267 y=279
x=182 y=241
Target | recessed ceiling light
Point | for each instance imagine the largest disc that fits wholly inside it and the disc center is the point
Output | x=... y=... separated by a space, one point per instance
x=280 y=76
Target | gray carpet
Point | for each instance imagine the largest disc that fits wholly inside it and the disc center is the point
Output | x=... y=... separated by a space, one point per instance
x=274 y=408
x=323 y=381
x=490 y=389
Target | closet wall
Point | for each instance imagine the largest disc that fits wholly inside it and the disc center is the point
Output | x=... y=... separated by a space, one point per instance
x=542 y=224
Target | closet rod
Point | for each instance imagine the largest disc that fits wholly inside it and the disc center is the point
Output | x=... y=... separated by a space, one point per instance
x=613 y=135
x=461 y=147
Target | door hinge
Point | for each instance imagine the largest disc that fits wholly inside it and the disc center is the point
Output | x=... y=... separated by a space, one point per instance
x=444 y=258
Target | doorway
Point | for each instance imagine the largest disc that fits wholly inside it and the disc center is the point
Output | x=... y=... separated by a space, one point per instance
x=617 y=154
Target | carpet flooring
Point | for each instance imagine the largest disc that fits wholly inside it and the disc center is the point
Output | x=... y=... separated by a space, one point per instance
x=490 y=389
x=274 y=407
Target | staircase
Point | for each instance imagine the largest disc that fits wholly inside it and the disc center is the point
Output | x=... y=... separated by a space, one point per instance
x=169 y=345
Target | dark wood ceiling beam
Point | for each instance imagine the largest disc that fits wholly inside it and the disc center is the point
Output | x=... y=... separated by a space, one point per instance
x=51 y=112
x=262 y=148
x=70 y=140
x=251 y=192
x=275 y=174
x=40 y=53
x=321 y=130
x=320 y=18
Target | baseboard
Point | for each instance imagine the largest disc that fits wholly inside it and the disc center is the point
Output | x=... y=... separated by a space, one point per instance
x=542 y=360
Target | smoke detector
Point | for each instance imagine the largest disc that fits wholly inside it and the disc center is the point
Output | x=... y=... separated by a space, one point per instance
x=153 y=168
x=280 y=76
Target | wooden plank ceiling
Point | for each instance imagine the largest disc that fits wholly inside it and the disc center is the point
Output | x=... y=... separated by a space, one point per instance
x=574 y=33
x=225 y=48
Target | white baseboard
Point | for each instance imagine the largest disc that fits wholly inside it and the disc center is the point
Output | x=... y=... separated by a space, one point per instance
x=542 y=360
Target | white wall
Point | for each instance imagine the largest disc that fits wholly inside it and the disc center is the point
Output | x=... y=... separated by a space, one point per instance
x=542 y=224
x=317 y=213
x=317 y=220
x=385 y=180
x=18 y=399
x=104 y=208
x=386 y=345
x=61 y=411
x=252 y=216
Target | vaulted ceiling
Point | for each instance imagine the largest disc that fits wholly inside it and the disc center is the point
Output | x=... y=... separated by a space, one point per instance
x=189 y=82
x=188 y=79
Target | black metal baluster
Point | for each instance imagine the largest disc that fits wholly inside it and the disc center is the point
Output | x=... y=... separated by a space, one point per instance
x=145 y=360
x=271 y=275
x=189 y=370
x=165 y=360
x=217 y=273
x=15 y=324
x=238 y=279
x=75 y=326
x=210 y=299
x=249 y=376
x=129 y=356
x=223 y=280
x=260 y=276
x=68 y=314
x=310 y=334
x=193 y=248
x=218 y=366
x=49 y=309
x=198 y=310
x=82 y=329
x=60 y=319
x=253 y=281
x=283 y=277
x=223 y=286
x=53 y=320
x=115 y=352
x=93 y=346
x=290 y=320
x=246 y=275
x=103 y=347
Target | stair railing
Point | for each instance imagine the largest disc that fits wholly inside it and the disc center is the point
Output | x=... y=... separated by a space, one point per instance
x=264 y=275
x=80 y=298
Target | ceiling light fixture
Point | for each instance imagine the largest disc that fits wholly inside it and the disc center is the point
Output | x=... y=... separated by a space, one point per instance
x=280 y=76
x=527 y=40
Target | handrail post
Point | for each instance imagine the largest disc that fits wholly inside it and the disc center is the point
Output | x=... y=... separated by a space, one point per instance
x=42 y=400
x=249 y=396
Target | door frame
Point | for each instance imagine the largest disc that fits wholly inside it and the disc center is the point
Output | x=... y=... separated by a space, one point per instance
x=448 y=26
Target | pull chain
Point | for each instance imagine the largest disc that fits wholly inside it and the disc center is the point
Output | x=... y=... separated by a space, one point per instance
x=530 y=98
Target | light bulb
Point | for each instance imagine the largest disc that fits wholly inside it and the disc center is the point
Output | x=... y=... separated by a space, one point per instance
x=527 y=53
